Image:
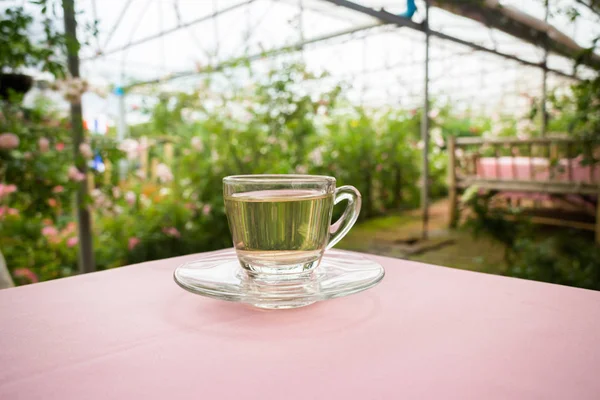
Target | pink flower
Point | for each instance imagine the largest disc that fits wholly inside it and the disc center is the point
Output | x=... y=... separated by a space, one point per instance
x=130 y=147
x=7 y=189
x=9 y=141
x=27 y=155
x=70 y=228
x=60 y=146
x=301 y=169
x=197 y=144
x=379 y=167
x=133 y=241
x=72 y=241
x=130 y=198
x=206 y=209
x=434 y=113
x=316 y=156
x=58 y=189
x=25 y=273
x=171 y=231
x=44 y=145
x=49 y=231
x=52 y=202
x=86 y=150
x=163 y=173
x=8 y=211
x=75 y=175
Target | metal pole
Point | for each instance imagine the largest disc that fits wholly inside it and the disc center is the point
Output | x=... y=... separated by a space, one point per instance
x=301 y=20
x=116 y=25
x=543 y=111
x=216 y=31
x=301 y=28
x=384 y=18
x=86 y=252
x=425 y=132
x=388 y=18
x=169 y=31
x=121 y=130
x=233 y=62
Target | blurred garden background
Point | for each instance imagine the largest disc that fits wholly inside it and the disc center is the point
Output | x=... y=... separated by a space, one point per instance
x=175 y=95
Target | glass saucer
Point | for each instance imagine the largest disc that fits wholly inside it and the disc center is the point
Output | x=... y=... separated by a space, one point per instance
x=220 y=276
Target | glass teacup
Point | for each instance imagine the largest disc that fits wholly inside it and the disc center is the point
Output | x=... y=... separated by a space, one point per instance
x=280 y=224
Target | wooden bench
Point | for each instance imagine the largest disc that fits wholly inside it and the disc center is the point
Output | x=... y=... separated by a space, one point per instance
x=540 y=168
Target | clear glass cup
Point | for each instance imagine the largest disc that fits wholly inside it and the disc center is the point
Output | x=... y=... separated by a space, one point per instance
x=280 y=224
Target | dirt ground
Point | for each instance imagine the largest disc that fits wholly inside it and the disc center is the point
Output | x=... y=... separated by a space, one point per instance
x=398 y=235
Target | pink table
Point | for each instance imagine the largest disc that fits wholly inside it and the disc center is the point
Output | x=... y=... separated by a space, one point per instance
x=425 y=332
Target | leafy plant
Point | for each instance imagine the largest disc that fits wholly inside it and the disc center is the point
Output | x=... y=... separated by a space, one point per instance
x=174 y=205
x=566 y=258
x=19 y=50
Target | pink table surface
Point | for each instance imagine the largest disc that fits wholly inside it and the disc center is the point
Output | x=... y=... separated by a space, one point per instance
x=425 y=332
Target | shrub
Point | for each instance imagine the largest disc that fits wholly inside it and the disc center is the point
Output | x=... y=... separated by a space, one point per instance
x=567 y=258
x=270 y=126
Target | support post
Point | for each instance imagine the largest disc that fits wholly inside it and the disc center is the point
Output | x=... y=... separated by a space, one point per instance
x=121 y=130
x=144 y=160
x=598 y=218
x=169 y=152
x=544 y=124
x=86 y=252
x=108 y=170
x=91 y=184
x=153 y=170
x=452 y=189
x=301 y=22
x=397 y=185
x=425 y=133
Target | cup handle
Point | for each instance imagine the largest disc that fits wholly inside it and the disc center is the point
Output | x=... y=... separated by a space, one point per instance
x=341 y=227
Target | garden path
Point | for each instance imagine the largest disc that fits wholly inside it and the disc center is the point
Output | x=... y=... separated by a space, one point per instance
x=397 y=235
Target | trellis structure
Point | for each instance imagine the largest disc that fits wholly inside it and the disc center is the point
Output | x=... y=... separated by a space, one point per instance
x=538 y=43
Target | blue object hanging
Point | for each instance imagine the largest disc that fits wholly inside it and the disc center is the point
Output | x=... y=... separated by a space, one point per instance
x=98 y=163
x=411 y=8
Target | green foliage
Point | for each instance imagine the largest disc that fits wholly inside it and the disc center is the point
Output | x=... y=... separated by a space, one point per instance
x=274 y=126
x=224 y=127
x=18 y=50
x=587 y=108
x=37 y=172
x=567 y=258
x=578 y=110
